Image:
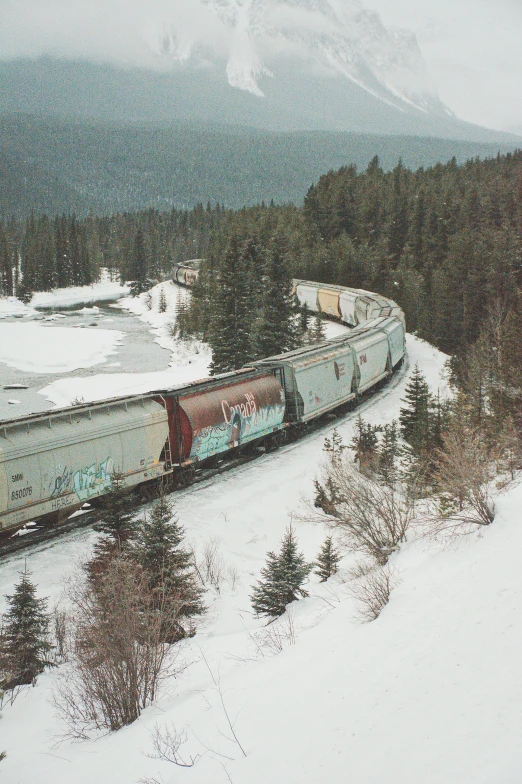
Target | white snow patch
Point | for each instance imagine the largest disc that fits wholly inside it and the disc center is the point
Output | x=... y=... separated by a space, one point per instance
x=106 y=291
x=38 y=349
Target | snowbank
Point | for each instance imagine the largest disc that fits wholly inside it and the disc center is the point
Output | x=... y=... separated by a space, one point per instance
x=105 y=291
x=38 y=349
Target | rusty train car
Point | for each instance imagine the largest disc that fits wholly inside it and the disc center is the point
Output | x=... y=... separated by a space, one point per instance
x=52 y=463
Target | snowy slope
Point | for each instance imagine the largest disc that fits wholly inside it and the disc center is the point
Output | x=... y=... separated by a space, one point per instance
x=430 y=692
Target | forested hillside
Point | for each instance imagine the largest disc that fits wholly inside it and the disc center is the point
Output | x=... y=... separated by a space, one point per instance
x=444 y=242
x=64 y=166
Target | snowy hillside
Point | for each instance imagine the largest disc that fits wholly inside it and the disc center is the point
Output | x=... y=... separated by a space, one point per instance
x=429 y=692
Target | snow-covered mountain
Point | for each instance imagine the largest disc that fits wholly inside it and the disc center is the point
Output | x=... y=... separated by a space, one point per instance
x=280 y=65
x=339 y=39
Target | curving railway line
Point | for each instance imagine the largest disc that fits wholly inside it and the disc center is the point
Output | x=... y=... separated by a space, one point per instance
x=53 y=463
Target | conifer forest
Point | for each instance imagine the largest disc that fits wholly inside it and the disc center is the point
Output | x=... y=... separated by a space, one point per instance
x=442 y=242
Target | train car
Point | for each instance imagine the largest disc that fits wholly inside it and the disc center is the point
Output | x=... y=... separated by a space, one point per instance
x=217 y=415
x=394 y=329
x=306 y=294
x=56 y=461
x=354 y=307
x=316 y=379
x=371 y=356
x=186 y=273
x=328 y=298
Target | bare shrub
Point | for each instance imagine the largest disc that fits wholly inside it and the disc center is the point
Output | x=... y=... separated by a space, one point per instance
x=211 y=567
x=278 y=635
x=59 y=624
x=464 y=473
x=371 y=591
x=118 y=655
x=166 y=745
x=372 y=517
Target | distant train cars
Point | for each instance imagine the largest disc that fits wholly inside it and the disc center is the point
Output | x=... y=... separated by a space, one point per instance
x=52 y=463
x=186 y=273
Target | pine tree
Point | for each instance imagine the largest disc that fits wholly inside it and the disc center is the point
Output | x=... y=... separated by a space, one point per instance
x=230 y=333
x=168 y=566
x=275 y=330
x=389 y=452
x=162 y=304
x=138 y=267
x=334 y=446
x=327 y=560
x=365 y=444
x=317 y=333
x=6 y=270
x=24 y=642
x=118 y=526
x=282 y=579
x=414 y=417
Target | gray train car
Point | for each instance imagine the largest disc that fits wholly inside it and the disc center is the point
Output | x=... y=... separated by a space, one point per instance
x=63 y=458
x=187 y=272
x=307 y=294
x=371 y=356
x=315 y=379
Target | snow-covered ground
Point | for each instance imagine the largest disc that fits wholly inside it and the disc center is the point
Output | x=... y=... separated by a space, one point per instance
x=431 y=692
x=37 y=349
x=190 y=360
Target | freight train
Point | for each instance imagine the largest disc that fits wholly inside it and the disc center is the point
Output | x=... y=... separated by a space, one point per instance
x=54 y=462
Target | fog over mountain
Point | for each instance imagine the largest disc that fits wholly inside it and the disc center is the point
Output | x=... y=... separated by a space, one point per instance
x=263 y=47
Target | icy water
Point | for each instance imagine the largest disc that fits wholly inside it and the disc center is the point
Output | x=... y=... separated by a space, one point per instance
x=137 y=353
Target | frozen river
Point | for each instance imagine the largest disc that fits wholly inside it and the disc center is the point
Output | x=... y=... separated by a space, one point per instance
x=136 y=351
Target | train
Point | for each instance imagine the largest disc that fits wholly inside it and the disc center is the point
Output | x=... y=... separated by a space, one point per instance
x=53 y=463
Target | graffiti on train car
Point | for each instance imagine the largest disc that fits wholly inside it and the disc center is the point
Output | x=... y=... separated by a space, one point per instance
x=93 y=479
x=85 y=482
x=242 y=423
x=62 y=480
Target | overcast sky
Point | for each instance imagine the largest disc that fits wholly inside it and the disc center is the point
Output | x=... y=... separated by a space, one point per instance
x=473 y=48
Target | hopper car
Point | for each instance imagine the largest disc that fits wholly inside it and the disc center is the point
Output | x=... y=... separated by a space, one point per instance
x=54 y=462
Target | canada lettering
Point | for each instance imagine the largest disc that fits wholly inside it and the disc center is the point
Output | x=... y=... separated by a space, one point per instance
x=243 y=409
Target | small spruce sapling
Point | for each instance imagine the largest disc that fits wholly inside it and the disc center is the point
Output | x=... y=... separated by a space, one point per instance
x=327 y=560
x=24 y=643
x=281 y=579
x=162 y=303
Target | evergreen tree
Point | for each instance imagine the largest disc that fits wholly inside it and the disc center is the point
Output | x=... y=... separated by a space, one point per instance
x=282 y=579
x=334 y=446
x=230 y=333
x=6 y=270
x=389 y=452
x=24 y=642
x=317 y=333
x=328 y=560
x=414 y=416
x=162 y=303
x=275 y=329
x=365 y=444
x=138 y=267
x=118 y=526
x=168 y=566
